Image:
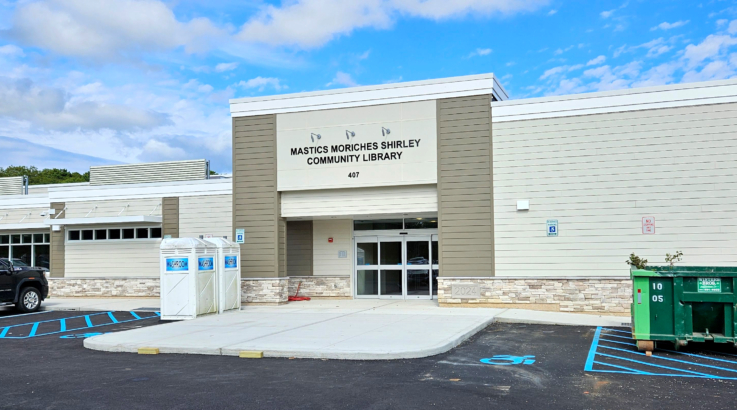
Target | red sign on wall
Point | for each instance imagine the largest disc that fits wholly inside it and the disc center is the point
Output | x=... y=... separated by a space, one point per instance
x=648 y=225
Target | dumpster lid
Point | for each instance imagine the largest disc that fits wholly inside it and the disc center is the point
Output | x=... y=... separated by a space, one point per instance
x=703 y=271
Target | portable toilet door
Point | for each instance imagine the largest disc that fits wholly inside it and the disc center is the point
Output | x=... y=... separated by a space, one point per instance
x=178 y=266
x=229 y=276
x=207 y=272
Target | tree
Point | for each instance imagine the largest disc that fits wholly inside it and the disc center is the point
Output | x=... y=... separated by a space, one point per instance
x=44 y=176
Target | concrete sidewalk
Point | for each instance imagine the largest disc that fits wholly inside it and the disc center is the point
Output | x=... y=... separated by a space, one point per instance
x=100 y=304
x=344 y=329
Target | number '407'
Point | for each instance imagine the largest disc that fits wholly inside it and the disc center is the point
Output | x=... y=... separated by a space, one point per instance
x=353 y=175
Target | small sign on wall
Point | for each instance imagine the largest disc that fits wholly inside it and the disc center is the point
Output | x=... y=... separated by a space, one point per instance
x=648 y=225
x=552 y=227
x=342 y=254
x=240 y=236
x=465 y=291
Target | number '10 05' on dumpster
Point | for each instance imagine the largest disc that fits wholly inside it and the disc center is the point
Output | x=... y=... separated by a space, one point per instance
x=177 y=264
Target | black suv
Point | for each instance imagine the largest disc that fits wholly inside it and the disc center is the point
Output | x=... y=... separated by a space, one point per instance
x=24 y=286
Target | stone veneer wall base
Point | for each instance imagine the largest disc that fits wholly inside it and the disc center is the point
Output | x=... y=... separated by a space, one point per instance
x=104 y=287
x=603 y=296
x=264 y=291
x=322 y=287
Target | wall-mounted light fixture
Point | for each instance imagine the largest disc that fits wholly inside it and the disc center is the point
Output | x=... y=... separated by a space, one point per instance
x=313 y=135
x=385 y=131
x=349 y=134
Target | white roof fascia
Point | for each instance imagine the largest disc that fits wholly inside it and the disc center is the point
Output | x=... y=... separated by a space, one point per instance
x=371 y=95
x=103 y=220
x=22 y=227
x=668 y=96
x=220 y=186
x=24 y=201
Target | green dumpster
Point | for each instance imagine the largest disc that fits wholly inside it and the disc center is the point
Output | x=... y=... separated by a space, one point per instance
x=683 y=304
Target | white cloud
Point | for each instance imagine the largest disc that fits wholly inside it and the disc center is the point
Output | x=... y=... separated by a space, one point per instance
x=722 y=22
x=105 y=29
x=667 y=26
x=656 y=51
x=54 y=109
x=732 y=27
x=261 y=83
x=553 y=71
x=480 y=52
x=343 y=79
x=552 y=12
x=197 y=86
x=312 y=23
x=596 y=61
x=10 y=50
x=222 y=67
x=608 y=13
x=713 y=46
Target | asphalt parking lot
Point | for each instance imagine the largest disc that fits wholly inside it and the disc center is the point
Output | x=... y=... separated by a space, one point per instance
x=505 y=365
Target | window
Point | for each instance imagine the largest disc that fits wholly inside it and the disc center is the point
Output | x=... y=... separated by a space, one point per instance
x=47 y=238
x=27 y=249
x=141 y=233
x=14 y=238
x=27 y=238
x=100 y=234
x=129 y=233
x=378 y=224
x=38 y=238
x=4 y=239
x=87 y=235
x=156 y=232
x=73 y=235
x=113 y=233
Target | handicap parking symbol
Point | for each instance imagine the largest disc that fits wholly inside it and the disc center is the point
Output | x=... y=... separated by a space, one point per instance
x=506 y=360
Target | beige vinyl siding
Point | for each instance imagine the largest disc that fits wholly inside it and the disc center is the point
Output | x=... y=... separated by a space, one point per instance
x=360 y=201
x=599 y=175
x=128 y=258
x=56 y=260
x=28 y=215
x=12 y=186
x=255 y=199
x=465 y=197
x=206 y=214
x=121 y=207
x=149 y=172
x=326 y=260
x=170 y=217
x=299 y=248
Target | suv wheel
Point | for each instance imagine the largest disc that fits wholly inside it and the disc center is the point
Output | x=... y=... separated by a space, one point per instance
x=29 y=300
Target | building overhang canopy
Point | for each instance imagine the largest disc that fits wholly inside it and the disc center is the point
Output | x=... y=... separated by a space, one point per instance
x=22 y=227
x=105 y=220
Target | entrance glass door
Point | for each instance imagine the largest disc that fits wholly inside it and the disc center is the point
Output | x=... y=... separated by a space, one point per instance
x=395 y=267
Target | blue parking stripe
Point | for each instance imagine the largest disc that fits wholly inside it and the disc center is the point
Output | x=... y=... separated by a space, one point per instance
x=135 y=315
x=698 y=355
x=616 y=341
x=63 y=325
x=617 y=330
x=622 y=367
x=673 y=360
x=654 y=365
x=112 y=317
x=592 y=351
x=618 y=336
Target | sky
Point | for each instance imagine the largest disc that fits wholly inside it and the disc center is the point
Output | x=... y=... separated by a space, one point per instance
x=92 y=82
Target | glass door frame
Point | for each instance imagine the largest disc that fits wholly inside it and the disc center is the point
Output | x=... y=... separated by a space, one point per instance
x=378 y=237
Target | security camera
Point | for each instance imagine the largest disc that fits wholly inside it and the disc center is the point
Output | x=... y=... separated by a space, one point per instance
x=43 y=213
